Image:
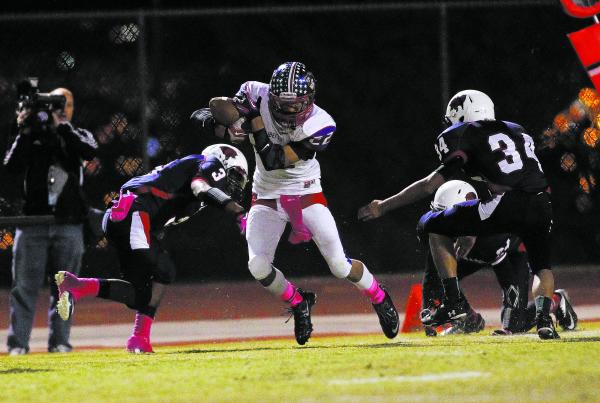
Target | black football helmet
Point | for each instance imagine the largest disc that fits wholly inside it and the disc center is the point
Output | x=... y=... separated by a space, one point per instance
x=291 y=94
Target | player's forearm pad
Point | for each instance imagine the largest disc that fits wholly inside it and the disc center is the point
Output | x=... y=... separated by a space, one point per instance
x=271 y=155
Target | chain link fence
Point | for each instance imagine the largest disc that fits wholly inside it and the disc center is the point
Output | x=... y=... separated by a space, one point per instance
x=383 y=74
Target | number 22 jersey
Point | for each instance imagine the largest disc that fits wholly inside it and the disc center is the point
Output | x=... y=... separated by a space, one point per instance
x=501 y=152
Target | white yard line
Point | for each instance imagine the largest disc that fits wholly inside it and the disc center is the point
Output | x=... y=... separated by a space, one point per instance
x=410 y=378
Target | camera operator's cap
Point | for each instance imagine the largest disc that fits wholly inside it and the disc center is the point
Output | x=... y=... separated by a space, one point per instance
x=70 y=101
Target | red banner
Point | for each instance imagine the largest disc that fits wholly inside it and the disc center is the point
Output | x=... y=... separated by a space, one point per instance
x=587 y=45
x=575 y=10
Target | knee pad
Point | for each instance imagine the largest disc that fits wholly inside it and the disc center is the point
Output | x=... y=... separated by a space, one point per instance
x=259 y=266
x=340 y=266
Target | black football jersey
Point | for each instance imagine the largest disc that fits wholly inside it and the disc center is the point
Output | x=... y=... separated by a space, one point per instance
x=500 y=152
x=492 y=249
x=166 y=191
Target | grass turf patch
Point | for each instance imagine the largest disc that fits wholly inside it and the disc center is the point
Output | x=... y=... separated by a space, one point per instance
x=350 y=368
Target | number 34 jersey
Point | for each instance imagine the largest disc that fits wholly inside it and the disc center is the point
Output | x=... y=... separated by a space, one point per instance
x=501 y=152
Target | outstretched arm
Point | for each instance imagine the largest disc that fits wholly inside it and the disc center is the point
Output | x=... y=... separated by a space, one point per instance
x=415 y=191
x=410 y=194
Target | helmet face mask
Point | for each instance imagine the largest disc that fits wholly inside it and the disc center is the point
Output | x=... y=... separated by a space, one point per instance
x=236 y=182
x=236 y=167
x=469 y=106
x=291 y=94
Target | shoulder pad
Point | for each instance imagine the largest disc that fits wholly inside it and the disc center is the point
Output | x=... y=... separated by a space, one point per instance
x=212 y=170
x=457 y=127
x=210 y=162
x=514 y=126
x=253 y=90
x=197 y=157
x=319 y=124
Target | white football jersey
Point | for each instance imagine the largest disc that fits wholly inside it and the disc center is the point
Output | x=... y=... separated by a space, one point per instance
x=305 y=176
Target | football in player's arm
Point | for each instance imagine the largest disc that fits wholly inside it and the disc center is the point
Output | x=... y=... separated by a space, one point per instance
x=503 y=154
x=287 y=130
x=230 y=124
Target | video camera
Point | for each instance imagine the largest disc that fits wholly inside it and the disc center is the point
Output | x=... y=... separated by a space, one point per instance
x=31 y=97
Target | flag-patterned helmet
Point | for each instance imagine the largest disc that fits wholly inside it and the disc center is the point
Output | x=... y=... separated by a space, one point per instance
x=291 y=94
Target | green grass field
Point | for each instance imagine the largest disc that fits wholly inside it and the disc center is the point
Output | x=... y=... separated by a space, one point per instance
x=350 y=368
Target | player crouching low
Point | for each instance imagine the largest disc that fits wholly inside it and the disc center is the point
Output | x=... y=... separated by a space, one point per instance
x=503 y=253
x=217 y=176
x=503 y=154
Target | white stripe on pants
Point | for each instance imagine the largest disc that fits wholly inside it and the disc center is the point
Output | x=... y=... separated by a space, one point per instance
x=138 y=238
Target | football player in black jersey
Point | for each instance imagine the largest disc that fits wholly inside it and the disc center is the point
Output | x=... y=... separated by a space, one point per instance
x=146 y=203
x=503 y=154
x=506 y=255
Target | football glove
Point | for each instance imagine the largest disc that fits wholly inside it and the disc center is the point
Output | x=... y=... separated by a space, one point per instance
x=203 y=119
x=246 y=108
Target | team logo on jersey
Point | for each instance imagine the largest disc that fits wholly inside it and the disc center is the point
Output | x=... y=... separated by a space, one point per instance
x=309 y=183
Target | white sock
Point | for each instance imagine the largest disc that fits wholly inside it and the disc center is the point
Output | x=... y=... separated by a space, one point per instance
x=279 y=284
x=366 y=280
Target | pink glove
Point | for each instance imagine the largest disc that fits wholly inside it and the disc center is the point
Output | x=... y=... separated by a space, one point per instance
x=242 y=220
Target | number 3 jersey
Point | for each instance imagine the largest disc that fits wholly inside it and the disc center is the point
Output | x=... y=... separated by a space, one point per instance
x=166 y=191
x=501 y=152
x=315 y=133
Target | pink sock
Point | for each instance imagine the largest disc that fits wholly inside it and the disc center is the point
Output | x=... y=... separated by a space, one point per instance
x=555 y=301
x=375 y=293
x=290 y=295
x=142 y=326
x=89 y=286
x=80 y=287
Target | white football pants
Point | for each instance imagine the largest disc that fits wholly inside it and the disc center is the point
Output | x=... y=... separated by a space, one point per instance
x=266 y=225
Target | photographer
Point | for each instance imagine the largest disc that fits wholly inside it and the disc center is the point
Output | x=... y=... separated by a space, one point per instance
x=49 y=151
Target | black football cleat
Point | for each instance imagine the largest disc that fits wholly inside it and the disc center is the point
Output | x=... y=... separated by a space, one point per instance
x=501 y=332
x=446 y=313
x=474 y=323
x=565 y=314
x=429 y=330
x=545 y=327
x=302 y=324
x=388 y=315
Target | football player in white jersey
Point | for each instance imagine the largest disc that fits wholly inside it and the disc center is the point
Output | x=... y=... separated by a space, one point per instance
x=287 y=131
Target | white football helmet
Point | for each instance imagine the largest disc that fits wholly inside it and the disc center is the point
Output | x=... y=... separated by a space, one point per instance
x=235 y=164
x=451 y=193
x=469 y=106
